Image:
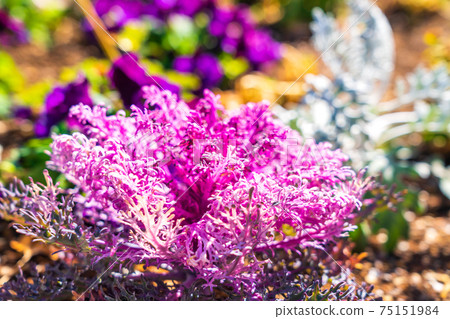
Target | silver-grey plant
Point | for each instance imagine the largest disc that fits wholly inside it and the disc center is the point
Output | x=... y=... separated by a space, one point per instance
x=349 y=108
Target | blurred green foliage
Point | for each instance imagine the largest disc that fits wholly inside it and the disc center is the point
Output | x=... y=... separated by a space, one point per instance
x=15 y=91
x=28 y=161
x=294 y=11
x=11 y=81
x=300 y=10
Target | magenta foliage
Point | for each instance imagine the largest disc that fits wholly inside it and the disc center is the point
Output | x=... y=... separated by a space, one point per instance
x=41 y=211
x=206 y=189
x=191 y=186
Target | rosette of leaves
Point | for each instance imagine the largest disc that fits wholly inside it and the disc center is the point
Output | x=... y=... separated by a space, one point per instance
x=206 y=198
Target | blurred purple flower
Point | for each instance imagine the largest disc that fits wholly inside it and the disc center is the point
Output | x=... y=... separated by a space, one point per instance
x=184 y=64
x=58 y=103
x=165 y=4
x=230 y=45
x=221 y=18
x=237 y=32
x=22 y=112
x=12 y=31
x=191 y=7
x=239 y=35
x=162 y=8
x=260 y=47
x=116 y=13
x=233 y=28
x=205 y=65
x=209 y=69
x=128 y=77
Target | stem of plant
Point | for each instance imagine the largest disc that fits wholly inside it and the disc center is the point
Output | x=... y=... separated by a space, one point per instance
x=106 y=42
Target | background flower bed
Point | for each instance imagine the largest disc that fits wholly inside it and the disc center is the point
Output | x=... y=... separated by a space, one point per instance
x=401 y=15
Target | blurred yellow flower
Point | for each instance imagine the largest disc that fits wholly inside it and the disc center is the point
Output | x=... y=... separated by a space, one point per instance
x=278 y=84
x=428 y=5
x=438 y=51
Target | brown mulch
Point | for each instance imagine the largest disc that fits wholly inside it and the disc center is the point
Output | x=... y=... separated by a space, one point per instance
x=419 y=267
x=70 y=47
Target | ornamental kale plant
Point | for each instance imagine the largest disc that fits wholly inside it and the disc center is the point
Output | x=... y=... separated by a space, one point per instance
x=219 y=201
